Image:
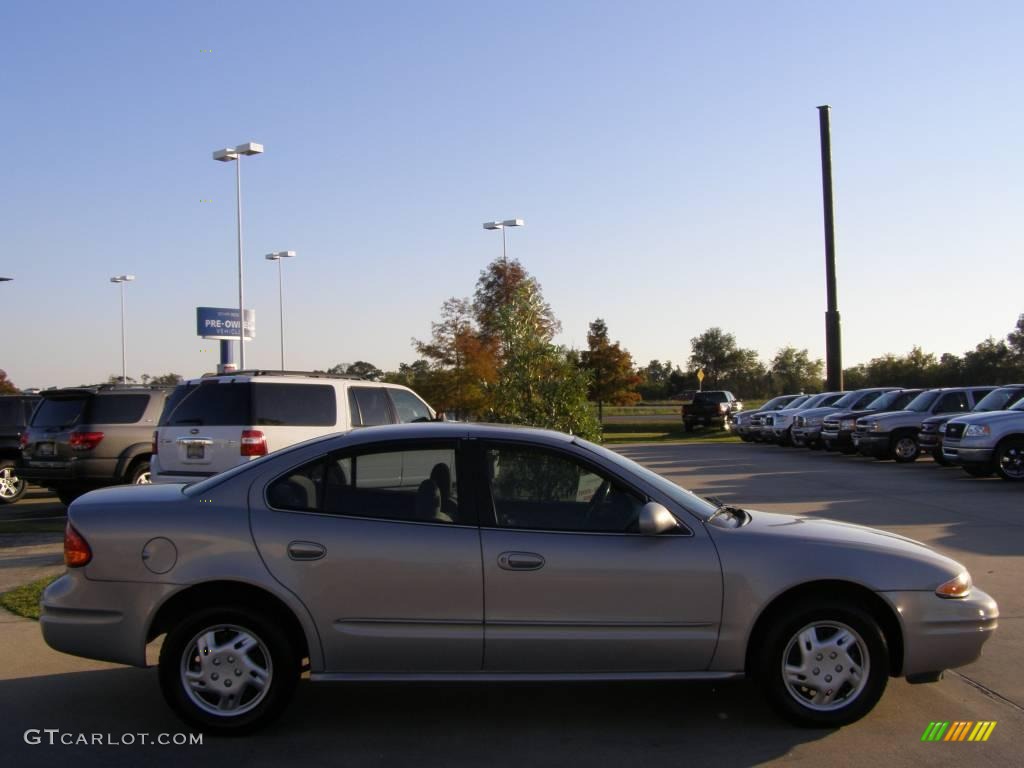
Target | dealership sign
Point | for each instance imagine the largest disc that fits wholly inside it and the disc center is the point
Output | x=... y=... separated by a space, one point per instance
x=222 y=323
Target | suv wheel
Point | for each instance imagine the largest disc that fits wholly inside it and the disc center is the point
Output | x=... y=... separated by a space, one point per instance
x=228 y=671
x=904 y=448
x=825 y=666
x=12 y=487
x=139 y=474
x=1010 y=459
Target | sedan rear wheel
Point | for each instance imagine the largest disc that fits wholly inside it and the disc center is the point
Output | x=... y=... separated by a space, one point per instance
x=1010 y=459
x=228 y=671
x=825 y=666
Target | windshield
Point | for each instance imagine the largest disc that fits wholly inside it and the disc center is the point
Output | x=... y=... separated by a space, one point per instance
x=687 y=500
x=776 y=403
x=891 y=400
x=798 y=402
x=1000 y=399
x=923 y=401
x=847 y=400
x=813 y=400
x=1018 y=406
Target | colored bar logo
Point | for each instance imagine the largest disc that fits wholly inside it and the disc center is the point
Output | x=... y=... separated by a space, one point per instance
x=959 y=730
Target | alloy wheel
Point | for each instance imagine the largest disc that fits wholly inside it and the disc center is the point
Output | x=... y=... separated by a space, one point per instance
x=1011 y=462
x=10 y=484
x=226 y=670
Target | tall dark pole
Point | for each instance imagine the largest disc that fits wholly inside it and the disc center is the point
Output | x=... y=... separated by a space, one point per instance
x=833 y=335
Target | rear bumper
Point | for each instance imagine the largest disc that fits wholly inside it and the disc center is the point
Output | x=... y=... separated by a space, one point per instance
x=160 y=475
x=78 y=470
x=942 y=633
x=104 y=620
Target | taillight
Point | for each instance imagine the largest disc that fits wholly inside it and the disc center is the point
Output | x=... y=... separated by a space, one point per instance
x=76 y=548
x=254 y=443
x=23 y=440
x=84 y=441
x=156 y=441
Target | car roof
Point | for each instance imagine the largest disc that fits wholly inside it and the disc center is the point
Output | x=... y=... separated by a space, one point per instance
x=456 y=429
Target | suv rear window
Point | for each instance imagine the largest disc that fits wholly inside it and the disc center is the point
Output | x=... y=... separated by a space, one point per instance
x=703 y=398
x=240 y=403
x=117 y=409
x=59 y=411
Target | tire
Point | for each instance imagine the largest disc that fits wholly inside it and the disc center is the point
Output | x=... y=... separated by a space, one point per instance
x=12 y=487
x=903 y=449
x=746 y=438
x=979 y=470
x=1010 y=459
x=849 y=638
x=138 y=473
x=786 y=440
x=939 y=459
x=271 y=659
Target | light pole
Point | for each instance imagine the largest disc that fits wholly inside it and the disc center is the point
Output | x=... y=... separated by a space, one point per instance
x=121 y=280
x=502 y=225
x=279 y=257
x=226 y=156
x=6 y=279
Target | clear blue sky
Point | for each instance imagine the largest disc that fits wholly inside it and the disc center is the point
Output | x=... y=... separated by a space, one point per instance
x=663 y=154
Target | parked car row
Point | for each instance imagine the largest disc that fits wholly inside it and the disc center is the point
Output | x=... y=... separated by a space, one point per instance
x=78 y=439
x=980 y=428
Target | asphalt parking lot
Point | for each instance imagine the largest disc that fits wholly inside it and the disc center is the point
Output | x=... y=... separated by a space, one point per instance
x=978 y=522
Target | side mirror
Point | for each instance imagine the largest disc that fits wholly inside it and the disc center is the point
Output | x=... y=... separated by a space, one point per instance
x=655 y=519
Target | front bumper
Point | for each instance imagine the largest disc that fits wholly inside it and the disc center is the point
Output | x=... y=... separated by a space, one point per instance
x=929 y=441
x=104 y=620
x=873 y=443
x=837 y=438
x=942 y=633
x=957 y=453
x=806 y=435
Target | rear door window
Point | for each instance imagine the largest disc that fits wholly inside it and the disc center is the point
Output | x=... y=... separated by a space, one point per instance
x=59 y=411
x=369 y=406
x=408 y=407
x=295 y=405
x=214 y=404
x=117 y=409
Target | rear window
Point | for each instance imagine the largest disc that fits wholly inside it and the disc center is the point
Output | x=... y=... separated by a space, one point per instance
x=10 y=411
x=59 y=411
x=369 y=406
x=295 y=405
x=703 y=398
x=117 y=409
x=213 y=404
x=175 y=398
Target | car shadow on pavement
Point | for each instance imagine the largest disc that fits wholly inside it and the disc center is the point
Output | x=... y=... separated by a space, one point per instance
x=593 y=724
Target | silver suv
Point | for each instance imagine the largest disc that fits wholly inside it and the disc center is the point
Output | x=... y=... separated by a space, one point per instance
x=214 y=423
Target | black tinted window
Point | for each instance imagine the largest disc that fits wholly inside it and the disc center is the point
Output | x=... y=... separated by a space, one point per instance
x=952 y=401
x=999 y=399
x=10 y=411
x=59 y=412
x=408 y=407
x=300 y=490
x=542 y=490
x=369 y=406
x=704 y=398
x=214 y=404
x=295 y=405
x=117 y=409
x=172 y=401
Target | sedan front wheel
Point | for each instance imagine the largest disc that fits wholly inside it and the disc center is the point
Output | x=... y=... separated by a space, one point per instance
x=825 y=666
x=228 y=671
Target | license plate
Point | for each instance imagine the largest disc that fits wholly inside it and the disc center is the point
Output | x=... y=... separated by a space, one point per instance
x=44 y=449
x=193 y=451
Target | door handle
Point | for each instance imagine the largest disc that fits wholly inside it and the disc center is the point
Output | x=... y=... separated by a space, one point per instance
x=520 y=561
x=306 y=550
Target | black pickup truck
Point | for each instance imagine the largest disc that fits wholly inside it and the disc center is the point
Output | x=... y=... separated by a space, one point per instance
x=711 y=408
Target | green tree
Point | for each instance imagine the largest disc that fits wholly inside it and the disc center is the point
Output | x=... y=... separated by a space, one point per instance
x=1015 y=338
x=538 y=384
x=495 y=289
x=612 y=379
x=115 y=378
x=656 y=380
x=163 y=380
x=6 y=385
x=792 y=370
x=359 y=368
x=713 y=352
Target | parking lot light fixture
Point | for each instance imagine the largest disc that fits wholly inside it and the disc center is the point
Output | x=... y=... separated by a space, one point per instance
x=503 y=225
x=279 y=257
x=121 y=280
x=226 y=156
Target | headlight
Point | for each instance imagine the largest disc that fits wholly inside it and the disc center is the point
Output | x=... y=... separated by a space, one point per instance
x=942 y=429
x=977 y=430
x=875 y=426
x=960 y=586
x=847 y=424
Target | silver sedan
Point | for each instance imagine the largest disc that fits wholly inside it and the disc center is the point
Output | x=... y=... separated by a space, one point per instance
x=453 y=552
